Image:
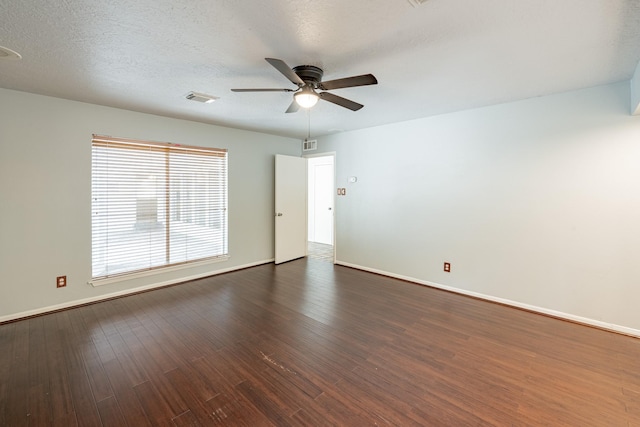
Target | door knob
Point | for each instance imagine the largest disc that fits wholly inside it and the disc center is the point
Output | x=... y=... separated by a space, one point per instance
x=279 y=214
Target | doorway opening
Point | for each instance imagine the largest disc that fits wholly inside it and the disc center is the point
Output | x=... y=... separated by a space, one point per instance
x=320 y=221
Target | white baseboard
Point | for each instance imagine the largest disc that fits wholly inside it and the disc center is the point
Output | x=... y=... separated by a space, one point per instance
x=84 y=301
x=578 y=319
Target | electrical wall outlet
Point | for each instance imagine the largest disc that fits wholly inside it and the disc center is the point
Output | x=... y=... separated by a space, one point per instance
x=61 y=281
x=447 y=267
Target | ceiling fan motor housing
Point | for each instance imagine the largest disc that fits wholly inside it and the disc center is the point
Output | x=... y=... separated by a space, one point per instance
x=309 y=74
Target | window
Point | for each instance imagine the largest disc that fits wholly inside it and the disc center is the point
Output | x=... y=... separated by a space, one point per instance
x=155 y=205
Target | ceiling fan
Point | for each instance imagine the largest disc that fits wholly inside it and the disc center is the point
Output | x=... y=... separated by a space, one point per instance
x=308 y=78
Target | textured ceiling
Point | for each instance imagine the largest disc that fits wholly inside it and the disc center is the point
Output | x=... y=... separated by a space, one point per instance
x=442 y=56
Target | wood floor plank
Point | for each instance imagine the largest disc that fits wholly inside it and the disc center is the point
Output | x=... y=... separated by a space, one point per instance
x=38 y=373
x=146 y=360
x=310 y=369
x=309 y=417
x=39 y=402
x=365 y=396
x=132 y=368
x=187 y=419
x=290 y=380
x=270 y=409
x=59 y=385
x=7 y=340
x=39 y=406
x=338 y=408
x=308 y=343
x=16 y=405
x=110 y=412
x=631 y=401
x=156 y=408
x=252 y=365
x=74 y=342
x=213 y=373
x=198 y=385
x=164 y=360
x=87 y=324
x=127 y=399
x=231 y=409
x=196 y=404
x=427 y=404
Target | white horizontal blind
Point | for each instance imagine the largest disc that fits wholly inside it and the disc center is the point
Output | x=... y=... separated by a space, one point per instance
x=155 y=205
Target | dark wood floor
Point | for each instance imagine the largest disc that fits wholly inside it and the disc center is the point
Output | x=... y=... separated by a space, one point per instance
x=309 y=343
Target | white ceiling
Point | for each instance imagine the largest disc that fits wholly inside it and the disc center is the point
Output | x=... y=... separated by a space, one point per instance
x=442 y=56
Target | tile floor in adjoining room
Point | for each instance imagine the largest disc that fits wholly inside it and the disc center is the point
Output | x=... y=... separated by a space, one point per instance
x=320 y=251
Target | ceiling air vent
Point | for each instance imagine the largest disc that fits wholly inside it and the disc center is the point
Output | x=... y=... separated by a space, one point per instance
x=416 y=3
x=309 y=144
x=201 y=97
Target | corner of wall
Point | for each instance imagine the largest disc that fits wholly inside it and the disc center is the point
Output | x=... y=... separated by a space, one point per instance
x=634 y=90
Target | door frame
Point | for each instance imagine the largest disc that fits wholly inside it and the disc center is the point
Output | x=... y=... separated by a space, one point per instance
x=335 y=159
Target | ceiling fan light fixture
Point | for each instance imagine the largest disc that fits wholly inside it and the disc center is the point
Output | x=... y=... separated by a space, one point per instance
x=306 y=98
x=308 y=79
x=6 y=53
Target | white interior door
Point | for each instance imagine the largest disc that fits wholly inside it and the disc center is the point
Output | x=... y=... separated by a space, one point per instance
x=291 y=208
x=323 y=204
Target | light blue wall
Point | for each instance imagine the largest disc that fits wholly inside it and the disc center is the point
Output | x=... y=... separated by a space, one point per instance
x=45 y=195
x=535 y=203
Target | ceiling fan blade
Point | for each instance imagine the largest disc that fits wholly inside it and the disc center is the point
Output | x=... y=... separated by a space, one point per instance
x=338 y=100
x=281 y=66
x=262 y=90
x=363 y=80
x=294 y=107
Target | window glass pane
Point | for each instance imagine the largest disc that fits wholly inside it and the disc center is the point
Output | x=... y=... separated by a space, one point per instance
x=155 y=206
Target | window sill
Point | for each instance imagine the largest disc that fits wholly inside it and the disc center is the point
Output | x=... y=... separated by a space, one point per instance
x=156 y=271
